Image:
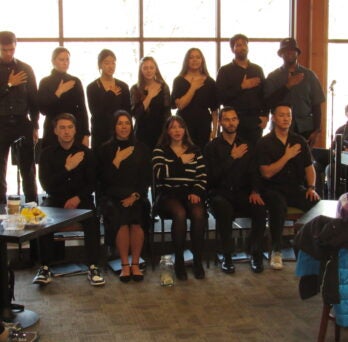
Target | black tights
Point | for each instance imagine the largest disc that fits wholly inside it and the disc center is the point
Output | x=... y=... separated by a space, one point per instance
x=179 y=211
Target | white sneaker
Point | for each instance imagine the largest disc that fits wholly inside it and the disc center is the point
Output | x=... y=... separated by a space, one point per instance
x=276 y=261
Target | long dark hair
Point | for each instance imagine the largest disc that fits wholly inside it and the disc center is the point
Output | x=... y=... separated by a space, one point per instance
x=184 y=69
x=165 y=139
x=117 y=116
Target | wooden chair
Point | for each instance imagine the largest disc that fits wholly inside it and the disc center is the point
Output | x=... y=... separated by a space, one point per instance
x=327 y=316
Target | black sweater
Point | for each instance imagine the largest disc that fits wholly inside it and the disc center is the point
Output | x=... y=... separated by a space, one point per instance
x=73 y=102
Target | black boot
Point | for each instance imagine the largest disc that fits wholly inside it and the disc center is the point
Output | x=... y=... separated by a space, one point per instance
x=197 y=268
x=179 y=267
x=256 y=262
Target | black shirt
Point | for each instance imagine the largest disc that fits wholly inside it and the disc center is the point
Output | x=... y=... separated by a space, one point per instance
x=269 y=149
x=149 y=123
x=133 y=175
x=225 y=174
x=18 y=100
x=72 y=102
x=102 y=105
x=62 y=184
x=230 y=93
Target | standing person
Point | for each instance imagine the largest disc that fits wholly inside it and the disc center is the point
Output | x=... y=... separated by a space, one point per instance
x=106 y=95
x=150 y=99
x=234 y=187
x=18 y=99
x=285 y=163
x=180 y=182
x=194 y=94
x=67 y=172
x=294 y=84
x=240 y=85
x=125 y=175
x=62 y=93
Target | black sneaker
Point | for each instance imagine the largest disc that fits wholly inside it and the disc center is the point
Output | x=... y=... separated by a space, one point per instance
x=21 y=336
x=43 y=276
x=94 y=276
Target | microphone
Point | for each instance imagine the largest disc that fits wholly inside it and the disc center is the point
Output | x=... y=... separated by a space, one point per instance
x=332 y=85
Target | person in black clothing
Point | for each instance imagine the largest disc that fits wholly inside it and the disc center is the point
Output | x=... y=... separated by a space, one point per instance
x=67 y=172
x=106 y=95
x=234 y=187
x=125 y=175
x=342 y=130
x=194 y=94
x=150 y=100
x=240 y=85
x=180 y=181
x=18 y=98
x=62 y=93
x=285 y=163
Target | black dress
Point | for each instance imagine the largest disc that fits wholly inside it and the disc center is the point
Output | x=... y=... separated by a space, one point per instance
x=72 y=102
x=197 y=114
x=102 y=105
x=133 y=175
x=149 y=123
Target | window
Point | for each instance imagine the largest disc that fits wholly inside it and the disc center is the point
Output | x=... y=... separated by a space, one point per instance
x=337 y=55
x=164 y=29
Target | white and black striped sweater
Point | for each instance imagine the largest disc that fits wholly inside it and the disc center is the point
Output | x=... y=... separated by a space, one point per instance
x=170 y=174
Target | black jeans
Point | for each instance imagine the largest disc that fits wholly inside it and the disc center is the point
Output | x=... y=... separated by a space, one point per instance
x=11 y=131
x=91 y=229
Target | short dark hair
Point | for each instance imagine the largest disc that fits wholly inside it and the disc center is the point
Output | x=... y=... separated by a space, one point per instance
x=236 y=37
x=7 y=37
x=64 y=116
x=227 y=109
x=280 y=104
x=104 y=54
x=57 y=51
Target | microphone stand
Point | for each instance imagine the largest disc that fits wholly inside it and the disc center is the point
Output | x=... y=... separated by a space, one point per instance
x=333 y=166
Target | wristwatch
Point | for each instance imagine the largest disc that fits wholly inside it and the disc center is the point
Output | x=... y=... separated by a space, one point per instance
x=312 y=187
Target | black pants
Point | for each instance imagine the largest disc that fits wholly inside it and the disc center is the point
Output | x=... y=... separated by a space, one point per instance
x=248 y=127
x=11 y=131
x=278 y=199
x=225 y=210
x=91 y=229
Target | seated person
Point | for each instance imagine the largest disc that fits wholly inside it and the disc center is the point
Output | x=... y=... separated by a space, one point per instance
x=343 y=130
x=233 y=184
x=125 y=175
x=180 y=182
x=285 y=163
x=67 y=172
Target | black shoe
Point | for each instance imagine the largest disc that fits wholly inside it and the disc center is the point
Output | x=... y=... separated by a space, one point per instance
x=137 y=277
x=180 y=270
x=227 y=266
x=125 y=278
x=256 y=263
x=198 y=270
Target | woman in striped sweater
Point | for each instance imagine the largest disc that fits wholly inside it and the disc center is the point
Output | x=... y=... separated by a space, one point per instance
x=180 y=182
